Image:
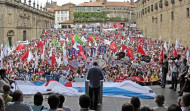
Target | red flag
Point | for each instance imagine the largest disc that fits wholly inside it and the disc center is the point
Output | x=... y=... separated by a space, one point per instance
x=90 y=38
x=53 y=60
x=162 y=55
x=122 y=37
x=120 y=25
x=132 y=38
x=124 y=47
x=20 y=46
x=139 y=38
x=25 y=55
x=151 y=40
x=175 y=52
x=129 y=54
x=72 y=57
x=115 y=26
x=81 y=53
x=97 y=38
x=140 y=50
x=113 y=47
x=40 y=44
x=117 y=36
x=72 y=39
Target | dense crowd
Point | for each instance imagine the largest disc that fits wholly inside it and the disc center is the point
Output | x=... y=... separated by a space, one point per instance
x=56 y=40
x=123 y=54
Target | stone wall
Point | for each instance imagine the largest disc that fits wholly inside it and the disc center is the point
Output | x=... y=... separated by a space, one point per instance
x=159 y=22
x=15 y=18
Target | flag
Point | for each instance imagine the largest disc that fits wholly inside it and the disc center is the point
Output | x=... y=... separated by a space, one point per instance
x=93 y=51
x=169 y=44
x=71 y=52
x=2 y=56
x=124 y=47
x=20 y=46
x=90 y=39
x=7 y=49
x=30 y=57
x=107 y=42
x=113 y=47
x=129 y=54
x=53 y=41
x=72 y=39
x=187 y=55
x=25 y=55
x=102 y=50
x=58 y=61
x=175 y=52
x=53 y=60
x=140 y=50
x=162 y=55
x=139 y=38
x=41 y=45
x=176 y=44
x=115 y=25
x=42 y=52
x=117 y=36
x=132 y=38
x=81 y=53
x=77 y=39
x=36 y=60
x=165 y=46
x=65 y=60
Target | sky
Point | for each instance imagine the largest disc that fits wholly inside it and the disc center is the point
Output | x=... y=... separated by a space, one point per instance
x=61 y=2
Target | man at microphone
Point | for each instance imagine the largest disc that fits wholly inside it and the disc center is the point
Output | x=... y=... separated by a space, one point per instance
x=94 y=76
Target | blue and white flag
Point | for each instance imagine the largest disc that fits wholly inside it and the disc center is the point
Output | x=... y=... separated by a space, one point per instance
x=2 y=55
x=71 y=51
x=102 y=50
x=93 y=51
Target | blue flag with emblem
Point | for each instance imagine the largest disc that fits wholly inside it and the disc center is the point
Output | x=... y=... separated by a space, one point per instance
x=102 y=50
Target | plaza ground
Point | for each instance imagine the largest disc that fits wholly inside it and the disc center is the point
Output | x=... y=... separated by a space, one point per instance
x=114 y=104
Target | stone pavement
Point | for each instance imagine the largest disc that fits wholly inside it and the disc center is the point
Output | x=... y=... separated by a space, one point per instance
x=114 y=104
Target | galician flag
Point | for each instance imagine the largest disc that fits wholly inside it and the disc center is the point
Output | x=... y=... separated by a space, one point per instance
x=65 y=60
x=2 y=55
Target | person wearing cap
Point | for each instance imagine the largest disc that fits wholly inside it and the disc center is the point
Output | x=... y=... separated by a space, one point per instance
x=3 y=79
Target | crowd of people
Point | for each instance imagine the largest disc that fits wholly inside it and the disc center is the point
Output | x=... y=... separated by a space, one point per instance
x=61 y=47
x=123 y=54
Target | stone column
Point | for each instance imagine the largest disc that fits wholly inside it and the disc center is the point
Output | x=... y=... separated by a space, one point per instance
x=29 y=2
x=34 y=4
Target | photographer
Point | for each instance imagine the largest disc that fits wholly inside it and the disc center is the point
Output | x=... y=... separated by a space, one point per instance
x=3 y=79
x=183 y=71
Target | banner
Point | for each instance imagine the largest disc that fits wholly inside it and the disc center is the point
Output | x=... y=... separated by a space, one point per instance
x=102 y=50
x=71 y=51
x=112 y=63
x=93 y=51
x=74 y=63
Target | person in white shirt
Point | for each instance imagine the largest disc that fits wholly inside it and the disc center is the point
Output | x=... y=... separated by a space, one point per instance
x=160 y=103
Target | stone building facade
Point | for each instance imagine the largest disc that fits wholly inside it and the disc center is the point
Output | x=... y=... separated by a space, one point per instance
x=20 y=22
x=165 y=19
x=118 y=12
